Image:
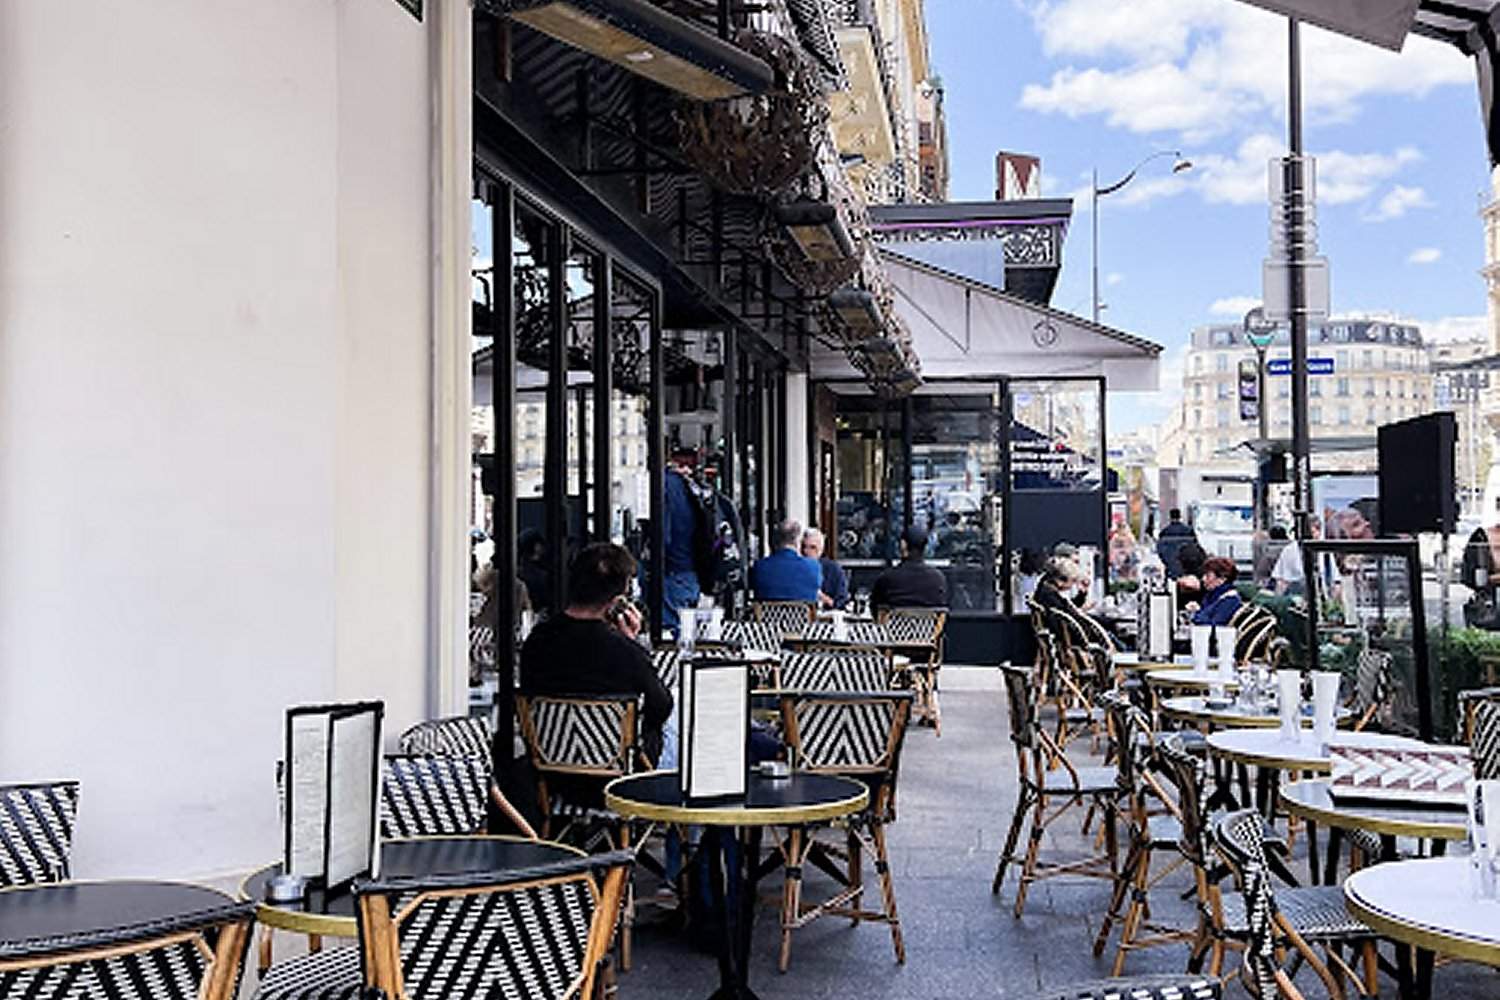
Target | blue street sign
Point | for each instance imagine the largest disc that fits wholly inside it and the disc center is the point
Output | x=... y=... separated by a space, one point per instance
x=1315 y=366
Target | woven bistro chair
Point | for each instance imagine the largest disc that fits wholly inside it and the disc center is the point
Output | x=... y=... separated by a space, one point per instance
x=1154 y=826
x=1374 y=690
x=1252 y=643
x=1058 y=659
x=836 y=670
x=464 y=736
x=1484 y=739
x=198 y=956
x=667 y=661
x=432 y=796
x=36 y=832
x=1297 y=919
x=531 y=934
x=923 y=629
x=856 y=735
x=790 y=618
x=1138 y=988
x=578 y=744
x=1046 y=794
x=762 y=637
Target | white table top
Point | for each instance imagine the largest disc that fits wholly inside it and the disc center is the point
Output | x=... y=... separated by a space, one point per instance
x=1428 y=902
x=1178 y=678
x=1267 y=747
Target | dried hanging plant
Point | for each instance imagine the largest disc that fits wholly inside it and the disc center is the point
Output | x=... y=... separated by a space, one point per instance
x=758 y=144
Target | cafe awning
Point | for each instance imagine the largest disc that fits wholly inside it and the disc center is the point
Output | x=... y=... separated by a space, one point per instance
x=961 y=327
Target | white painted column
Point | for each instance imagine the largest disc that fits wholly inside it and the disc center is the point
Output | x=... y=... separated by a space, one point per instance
x=799 y=462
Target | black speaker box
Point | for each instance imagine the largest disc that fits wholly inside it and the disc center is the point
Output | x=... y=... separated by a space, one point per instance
x=1416 y=475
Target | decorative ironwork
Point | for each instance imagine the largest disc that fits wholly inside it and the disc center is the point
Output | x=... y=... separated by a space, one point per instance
x=1025 y=245
x=823 y=276
x=759 y=144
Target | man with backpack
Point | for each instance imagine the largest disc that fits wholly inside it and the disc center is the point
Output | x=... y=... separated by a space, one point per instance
x=685 y=535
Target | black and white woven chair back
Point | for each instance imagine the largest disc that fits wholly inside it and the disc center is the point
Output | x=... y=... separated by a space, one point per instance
x=787 y=617
x=1484 y=744
x=1253 y=638
x=433 y=796
x=851 y=670
x=1020 y=698
x=1372 y=680
x=522 y=935
x=847 y=733
x=1132 y=732
x=1189 y=774
x=459 y=736
x=762 y=637
x=668 y=666
x=36 y=832
x=592 y=734
x=1241 y=835
x=915 y=624
x=165 y=961
x=1146 y=988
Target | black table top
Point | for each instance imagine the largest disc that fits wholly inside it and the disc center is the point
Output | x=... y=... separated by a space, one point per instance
x=49 y=918
x=796 y=798
x=422 y=856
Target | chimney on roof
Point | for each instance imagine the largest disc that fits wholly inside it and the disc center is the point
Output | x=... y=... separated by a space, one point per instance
x=1017 y=175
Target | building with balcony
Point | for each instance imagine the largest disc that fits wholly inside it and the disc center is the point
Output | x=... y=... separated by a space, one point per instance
x=1381 y=372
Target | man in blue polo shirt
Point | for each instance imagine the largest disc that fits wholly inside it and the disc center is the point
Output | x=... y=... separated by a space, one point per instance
x=786 y=575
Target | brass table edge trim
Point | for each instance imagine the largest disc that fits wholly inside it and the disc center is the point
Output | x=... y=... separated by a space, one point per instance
x=1395 y=828
x=284 y=918
x=1486 y=953
x=1265 y=760
x=733 y=815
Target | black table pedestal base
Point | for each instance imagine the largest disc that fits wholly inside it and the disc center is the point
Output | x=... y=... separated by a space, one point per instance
x=737 y=863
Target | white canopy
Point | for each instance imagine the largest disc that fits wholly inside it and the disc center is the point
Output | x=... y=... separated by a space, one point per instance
x=966 y=328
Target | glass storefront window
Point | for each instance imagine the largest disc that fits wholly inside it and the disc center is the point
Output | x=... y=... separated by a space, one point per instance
x=579 y=281
x=1055 y=439
x=630 y=360
x=956 y=485
x=533 y=243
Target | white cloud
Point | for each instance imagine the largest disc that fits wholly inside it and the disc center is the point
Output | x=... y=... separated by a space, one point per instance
x=1424 y=255
x=1397 y=202
x=1455 y=328
x=1234 y=305
x=1207 y=66
x=1114 y=278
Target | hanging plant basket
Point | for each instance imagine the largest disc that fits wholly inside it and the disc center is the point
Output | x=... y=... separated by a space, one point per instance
x=758 y=144
x=827 y=188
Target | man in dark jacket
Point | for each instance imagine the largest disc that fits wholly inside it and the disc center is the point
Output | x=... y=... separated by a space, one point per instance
x=590 y=648
x=1170 y=542
x=911 y=583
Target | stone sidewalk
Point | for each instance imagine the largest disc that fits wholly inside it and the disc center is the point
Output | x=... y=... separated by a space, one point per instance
x=956 y=797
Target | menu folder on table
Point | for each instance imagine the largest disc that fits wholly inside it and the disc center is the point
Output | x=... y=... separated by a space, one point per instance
x=714 y=737
x=332 y=791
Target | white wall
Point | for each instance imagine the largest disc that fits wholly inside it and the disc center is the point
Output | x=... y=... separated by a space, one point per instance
x=214 y=409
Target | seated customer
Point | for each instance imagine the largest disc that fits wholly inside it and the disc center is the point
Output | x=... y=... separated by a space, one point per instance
x=833 y=592
x=590 y=648
x=1054 y=591
x=911 y=583
x=1220 y=600
x=785 y=575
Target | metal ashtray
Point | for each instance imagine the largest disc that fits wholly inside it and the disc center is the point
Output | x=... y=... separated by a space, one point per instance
x=773 y=769
x=286 y=889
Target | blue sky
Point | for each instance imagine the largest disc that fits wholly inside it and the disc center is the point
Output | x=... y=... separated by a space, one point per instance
x=1104 y=83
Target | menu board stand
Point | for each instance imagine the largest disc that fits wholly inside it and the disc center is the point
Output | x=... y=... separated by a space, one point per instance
x=714 y=709
x=332 y=792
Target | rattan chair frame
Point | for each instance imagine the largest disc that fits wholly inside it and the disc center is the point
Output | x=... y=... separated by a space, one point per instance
x=792 y=617
x=1035 y=754
x=865 y=830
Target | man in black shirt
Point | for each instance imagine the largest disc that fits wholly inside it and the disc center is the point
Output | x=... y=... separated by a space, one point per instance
x=911 y=583
x=590 y=647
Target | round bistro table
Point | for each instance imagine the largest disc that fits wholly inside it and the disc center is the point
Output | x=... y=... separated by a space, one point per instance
x=1429 y=904
x=797 y=799
x=1194 y=709
x=1179 y=679
x=1270 y=753
x=1313 y=801
x=332 y=914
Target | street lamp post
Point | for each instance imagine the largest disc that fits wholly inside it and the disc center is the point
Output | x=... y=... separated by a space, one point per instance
x=1096 y=192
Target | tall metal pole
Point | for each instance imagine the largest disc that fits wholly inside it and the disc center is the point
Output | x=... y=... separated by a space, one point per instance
x=1295 y=208
x=1094 y=221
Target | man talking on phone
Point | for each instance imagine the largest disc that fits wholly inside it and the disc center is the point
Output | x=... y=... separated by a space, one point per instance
x=591 y=647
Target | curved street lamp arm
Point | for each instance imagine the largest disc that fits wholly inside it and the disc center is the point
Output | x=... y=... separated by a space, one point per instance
x=1101 y=192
